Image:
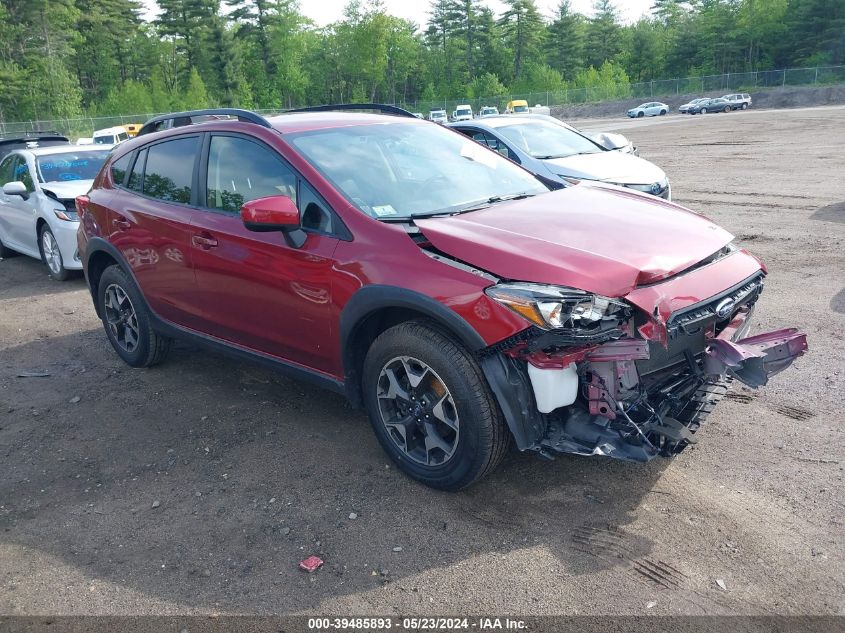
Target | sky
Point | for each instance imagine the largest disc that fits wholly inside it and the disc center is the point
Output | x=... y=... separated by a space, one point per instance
x=326 y=11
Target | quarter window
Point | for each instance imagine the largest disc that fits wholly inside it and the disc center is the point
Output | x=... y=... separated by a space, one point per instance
x=169 y=171
x=136 y=178
x=240 y=170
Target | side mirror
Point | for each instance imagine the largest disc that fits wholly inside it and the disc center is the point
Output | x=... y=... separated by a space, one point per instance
x=274 y=213
x=16 y=188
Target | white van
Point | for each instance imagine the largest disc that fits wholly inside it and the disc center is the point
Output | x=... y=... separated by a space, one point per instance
x=438 y=116
x=462 y=113
x=110 y=135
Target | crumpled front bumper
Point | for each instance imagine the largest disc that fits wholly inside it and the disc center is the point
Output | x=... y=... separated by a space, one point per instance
x=752 y=360
x=638 y=399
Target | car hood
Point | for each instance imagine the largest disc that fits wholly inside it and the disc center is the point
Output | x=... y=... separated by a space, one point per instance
x=67 y=189
x=612 y=167
x=597 y=238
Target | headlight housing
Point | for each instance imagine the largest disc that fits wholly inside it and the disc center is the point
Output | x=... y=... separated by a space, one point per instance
x=557 y=307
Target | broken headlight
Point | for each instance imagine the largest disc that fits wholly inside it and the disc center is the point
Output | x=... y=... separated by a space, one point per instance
x=557 y=307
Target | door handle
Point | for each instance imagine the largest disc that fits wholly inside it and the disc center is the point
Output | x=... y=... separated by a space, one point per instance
x=122 y=224
x=204 y=241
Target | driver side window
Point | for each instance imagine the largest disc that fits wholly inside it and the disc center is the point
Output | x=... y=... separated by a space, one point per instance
x=240 y=170
x=22 y=174
x=7 y=172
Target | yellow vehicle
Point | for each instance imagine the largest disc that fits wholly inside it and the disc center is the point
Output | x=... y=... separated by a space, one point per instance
x=132 y=128
x=519 y=106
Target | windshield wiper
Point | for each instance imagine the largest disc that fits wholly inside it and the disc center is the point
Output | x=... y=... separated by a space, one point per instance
x=483 y=204
x=472 y=206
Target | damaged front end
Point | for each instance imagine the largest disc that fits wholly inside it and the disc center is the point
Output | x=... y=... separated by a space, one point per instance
x=602 y=376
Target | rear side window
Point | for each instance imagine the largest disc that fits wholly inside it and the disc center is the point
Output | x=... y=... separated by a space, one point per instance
x=240 y=170
x=119 y=168
x=169 y=172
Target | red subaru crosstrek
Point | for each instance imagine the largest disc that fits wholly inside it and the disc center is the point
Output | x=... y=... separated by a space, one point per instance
x=429 y=279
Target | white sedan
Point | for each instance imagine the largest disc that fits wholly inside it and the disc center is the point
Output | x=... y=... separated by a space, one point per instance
x=652 y=108
x=38 y=202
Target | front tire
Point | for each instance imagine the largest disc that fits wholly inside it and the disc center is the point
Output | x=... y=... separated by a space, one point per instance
x=640 y=115
x=51 y=255
x=431 y=408
x=703 y=110
x=127 y=321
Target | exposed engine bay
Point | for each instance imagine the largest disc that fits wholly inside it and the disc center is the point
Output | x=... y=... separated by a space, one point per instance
x=614 y=381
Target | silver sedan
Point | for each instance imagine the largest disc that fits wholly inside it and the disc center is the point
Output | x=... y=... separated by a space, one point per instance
x=559 y=154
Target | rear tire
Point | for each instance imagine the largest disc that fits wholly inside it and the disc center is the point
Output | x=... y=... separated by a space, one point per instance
x=662 y=112
x=127 y=321
x=431 y=408
x=744 y=106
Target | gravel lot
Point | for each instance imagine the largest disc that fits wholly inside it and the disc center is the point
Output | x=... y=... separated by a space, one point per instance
x=197 y=486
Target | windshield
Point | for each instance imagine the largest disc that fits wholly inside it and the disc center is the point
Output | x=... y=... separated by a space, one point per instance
x=543 y=139
x=520 y=108
x=70 y=165
x=402 y=170
x=464 y=112
x=104 y=140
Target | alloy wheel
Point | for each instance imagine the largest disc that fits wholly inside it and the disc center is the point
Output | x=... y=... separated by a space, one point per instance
x=52 y=255
x=418 y=411
x=121 y=318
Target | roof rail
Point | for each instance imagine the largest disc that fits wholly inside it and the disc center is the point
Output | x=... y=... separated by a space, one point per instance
x=36 y=139
x=380 y=107
x=179 y=119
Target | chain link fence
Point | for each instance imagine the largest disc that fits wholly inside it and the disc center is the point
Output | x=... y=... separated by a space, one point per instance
x=710 y=85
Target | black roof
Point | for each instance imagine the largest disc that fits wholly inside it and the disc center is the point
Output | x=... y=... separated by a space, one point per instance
x=37 y=139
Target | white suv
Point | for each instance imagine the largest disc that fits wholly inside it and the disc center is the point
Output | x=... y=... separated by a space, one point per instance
x=739 y=100
x=38 y=202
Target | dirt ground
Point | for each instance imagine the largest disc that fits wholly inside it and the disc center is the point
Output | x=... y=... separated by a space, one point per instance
x=197 y=486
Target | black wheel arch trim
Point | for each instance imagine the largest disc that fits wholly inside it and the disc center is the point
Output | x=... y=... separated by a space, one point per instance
x=510 y=386
x=373 y=298
x=166 y=328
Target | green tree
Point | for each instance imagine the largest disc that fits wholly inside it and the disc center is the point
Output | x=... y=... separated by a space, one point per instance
x=523 y=29
x=604 y=34
x=565 y=41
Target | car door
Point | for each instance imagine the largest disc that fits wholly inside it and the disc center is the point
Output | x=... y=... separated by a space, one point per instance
x=150 y=223
x=257 y=290
x=21 y=213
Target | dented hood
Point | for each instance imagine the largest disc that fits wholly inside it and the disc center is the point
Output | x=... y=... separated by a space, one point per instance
x=605 y=240
x=68 y=189
x=613 y=167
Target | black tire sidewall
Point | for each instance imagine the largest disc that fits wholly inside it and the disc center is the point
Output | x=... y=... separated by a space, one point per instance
x=459 y=468
x=64 y=273
x=114 y=275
